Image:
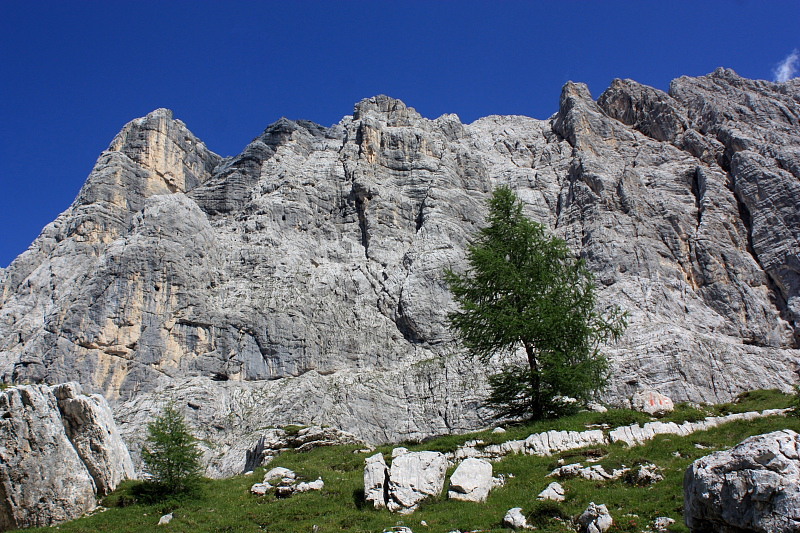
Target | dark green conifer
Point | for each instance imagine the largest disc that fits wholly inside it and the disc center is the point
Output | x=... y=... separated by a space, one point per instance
x=525 y=289
x=170 y=452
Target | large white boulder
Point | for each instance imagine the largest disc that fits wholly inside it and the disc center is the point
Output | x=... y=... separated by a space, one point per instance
x=652 y=402
x=755 y=486
x=376 y=481
x=42 y=477
x=413 y=477
x=90 y=427
x=471 y=481
x=56 y=454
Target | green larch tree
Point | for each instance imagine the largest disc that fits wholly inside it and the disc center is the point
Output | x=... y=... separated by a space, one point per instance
x=524 y=289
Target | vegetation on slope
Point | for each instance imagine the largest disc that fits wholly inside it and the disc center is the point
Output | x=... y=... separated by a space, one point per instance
x=227 y=505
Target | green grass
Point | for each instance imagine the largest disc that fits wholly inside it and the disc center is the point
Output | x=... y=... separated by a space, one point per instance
x=756 y=400
x=227 y=505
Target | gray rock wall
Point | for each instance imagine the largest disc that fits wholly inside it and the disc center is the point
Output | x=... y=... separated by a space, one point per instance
x=301 y=281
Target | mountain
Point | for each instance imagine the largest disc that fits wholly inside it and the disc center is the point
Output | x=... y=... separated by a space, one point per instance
x=301 y=281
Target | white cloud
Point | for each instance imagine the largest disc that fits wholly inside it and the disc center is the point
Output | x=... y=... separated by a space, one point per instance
x=787 y=69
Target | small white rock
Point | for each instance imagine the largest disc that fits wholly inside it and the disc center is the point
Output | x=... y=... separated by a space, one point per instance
x=554 y=492
x=397 y=452
x=498 y=430
x=260 y=489
x=662 y=523
x=515 y=519
x=279 y=472
x=596 y=407
x=595 y=519
x=652 y=402
x=310 y=485
x=166 y=519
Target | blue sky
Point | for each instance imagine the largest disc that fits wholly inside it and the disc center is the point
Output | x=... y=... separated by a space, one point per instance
x=73 y=73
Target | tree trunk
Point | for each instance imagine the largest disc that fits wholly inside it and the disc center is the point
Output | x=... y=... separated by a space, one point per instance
x=537 y=411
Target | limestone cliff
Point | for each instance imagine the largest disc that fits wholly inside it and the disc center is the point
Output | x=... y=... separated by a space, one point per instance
x=300 y=281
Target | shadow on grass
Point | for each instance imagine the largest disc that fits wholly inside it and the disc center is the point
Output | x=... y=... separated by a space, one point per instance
x=358 y=499
x=149 y=493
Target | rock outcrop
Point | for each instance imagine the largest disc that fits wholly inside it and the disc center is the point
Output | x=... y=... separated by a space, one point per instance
x=552 y=442
x=376 y=481
x=91 y=429
x=591 y=472
x=755 y=486
x=302 y=279
x=411 y=478
x=59 y=451
x=245 y=456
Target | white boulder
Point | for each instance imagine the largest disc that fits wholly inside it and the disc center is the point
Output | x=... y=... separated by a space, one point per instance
x=652 y=402
x=413 y=477
x=259 y=489
x=591 y=472
x=59 y=450
x=376 y=481
x=471 y=481
x=515 y=519
x=646 y=474
x=755 y=486
x=553 y=492
x=596 y=407
x=279 y=473
x=662 y=523
x=306 y=486
x=595 y=519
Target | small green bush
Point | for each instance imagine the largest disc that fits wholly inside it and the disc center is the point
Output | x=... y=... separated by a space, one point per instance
x=546 y=514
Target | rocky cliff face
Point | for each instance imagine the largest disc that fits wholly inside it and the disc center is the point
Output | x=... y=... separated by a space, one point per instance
x=300 y=281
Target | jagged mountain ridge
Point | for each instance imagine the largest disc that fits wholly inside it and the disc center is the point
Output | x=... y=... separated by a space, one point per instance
x=301 y=279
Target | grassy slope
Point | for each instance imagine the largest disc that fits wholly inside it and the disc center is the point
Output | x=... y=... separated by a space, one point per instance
x=227 y=505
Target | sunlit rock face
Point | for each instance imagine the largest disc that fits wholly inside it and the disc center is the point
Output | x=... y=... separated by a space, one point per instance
x=301 y=281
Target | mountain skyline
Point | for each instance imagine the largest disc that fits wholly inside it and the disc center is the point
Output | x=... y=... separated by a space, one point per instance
x=75 y=74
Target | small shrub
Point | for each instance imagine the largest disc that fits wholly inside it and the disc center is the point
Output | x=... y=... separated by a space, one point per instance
x=547 y=514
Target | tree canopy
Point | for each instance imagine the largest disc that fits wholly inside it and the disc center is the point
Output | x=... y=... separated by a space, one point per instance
x=524 y=289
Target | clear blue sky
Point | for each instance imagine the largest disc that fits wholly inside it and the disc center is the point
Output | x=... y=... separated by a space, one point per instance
x=72 y=73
